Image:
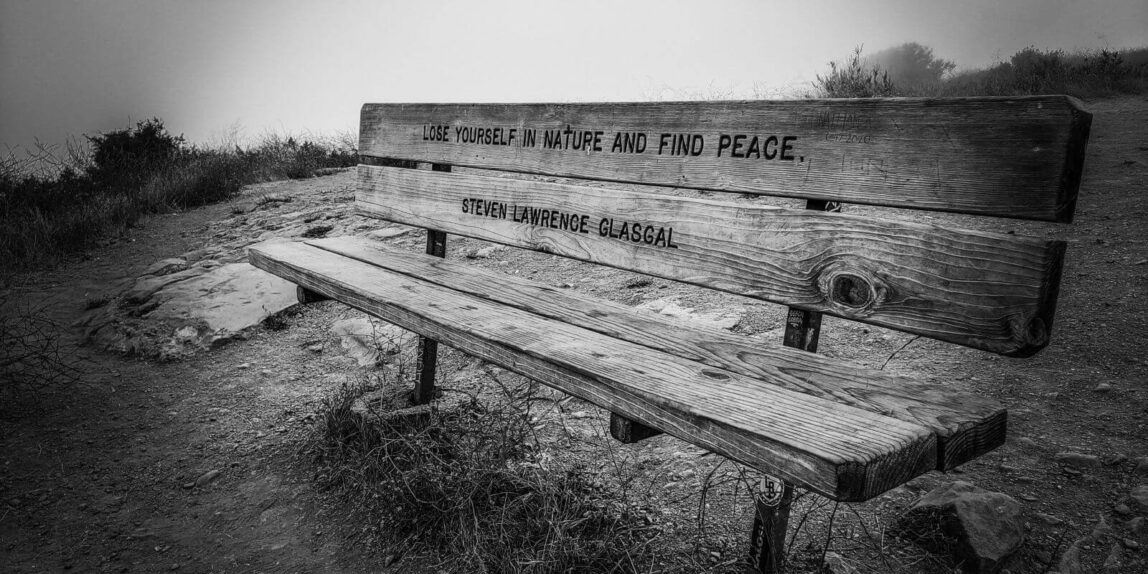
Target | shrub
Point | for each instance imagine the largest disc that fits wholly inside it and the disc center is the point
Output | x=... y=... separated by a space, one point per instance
x=913 y=70
x=50 y=207
x=853 y=78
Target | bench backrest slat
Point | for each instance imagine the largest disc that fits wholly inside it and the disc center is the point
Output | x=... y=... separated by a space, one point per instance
x=1012 y=157
x=985 y=290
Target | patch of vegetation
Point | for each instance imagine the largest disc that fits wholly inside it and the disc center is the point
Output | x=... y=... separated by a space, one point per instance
x=913 y=70
x=51 y=206
x=30 y=356
x=466 y=481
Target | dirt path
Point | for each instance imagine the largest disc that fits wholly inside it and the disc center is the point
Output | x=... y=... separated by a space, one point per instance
x=102 y=476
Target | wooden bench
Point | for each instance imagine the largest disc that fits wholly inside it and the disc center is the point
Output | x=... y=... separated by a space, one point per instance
x=847 y=432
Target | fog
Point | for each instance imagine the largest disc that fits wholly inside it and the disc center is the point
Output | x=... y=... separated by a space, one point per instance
x=216 y=69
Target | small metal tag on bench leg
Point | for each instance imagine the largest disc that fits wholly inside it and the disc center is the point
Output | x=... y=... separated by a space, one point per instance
x=771 y=519
x=630 y=431
x=423 y=392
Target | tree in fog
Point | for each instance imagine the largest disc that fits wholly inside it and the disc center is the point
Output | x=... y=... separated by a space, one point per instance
x=911 y=64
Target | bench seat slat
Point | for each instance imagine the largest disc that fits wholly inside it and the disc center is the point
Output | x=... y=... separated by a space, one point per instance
x=841 y=451
x=967 y=425
x=989 y=291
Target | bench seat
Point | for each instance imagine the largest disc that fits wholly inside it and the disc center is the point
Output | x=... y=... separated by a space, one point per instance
x=842 y=430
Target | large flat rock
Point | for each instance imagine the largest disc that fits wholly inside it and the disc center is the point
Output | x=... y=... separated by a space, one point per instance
x=226 y=299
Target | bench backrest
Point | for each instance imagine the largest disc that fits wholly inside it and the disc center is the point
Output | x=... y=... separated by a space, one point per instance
x=1007 y=157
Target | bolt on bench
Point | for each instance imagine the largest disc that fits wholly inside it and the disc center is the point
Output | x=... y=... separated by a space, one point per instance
x=847 y=432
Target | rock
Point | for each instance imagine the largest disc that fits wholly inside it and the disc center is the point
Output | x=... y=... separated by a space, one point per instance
x=1026 y=442
x=1142 y=465
x=1140 y=495
x=1070 y=560
x=206 y=477
x=1077 y=459
x=316 y=348
x=722 y=319
x=389 y=233
x=1122 y=509
x=1102 y=529
x=368 y=341
x=1112 y=562
x=1103 y=388
x=1131 y=544
x=165 y=266
x=981 y=528
x=836 y=564
x=243 y=366
x=485 y=252
x=1114 y=460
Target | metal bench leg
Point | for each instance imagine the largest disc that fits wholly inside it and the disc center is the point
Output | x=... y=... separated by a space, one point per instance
x=423 y=392
x=771 y=519
x=771 y=516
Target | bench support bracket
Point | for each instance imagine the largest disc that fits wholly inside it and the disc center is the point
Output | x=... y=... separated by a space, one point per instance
x=629 y=431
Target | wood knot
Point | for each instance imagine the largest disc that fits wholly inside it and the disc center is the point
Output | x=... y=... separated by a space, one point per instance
x=851 y=292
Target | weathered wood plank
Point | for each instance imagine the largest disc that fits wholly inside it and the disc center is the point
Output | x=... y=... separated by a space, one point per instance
x=1007 y=156
x=838 y=450
x=989 y=291
x=967 y=425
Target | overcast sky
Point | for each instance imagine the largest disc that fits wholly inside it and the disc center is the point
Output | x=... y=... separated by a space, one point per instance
x=84 y=67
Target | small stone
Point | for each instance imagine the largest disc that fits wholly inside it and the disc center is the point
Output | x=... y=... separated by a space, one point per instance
x=1103 y=388
x=1131 y=544
x=1135 y=525
x=1122 y=509
x=1102 y=529
x=1049 y=519
x=1114 y=460
x=837 y=564
x=206 y=477
x=266 y=372
x=1026 y=442
x=189 y=485
x=1028 y=497
x=1077 y=459
x=485 y=252
x=244 y=366
x=1140 y=495
x=316 y=348
x=1112 y=562
x=1142 y=465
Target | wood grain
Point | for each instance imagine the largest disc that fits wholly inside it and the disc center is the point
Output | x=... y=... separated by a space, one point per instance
x=835 y=449
x=989 y=291
x=967 y=425
x=1005 y=156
